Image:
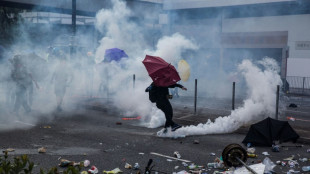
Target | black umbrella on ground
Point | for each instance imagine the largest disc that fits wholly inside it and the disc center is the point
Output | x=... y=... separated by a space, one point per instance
x=265 y=132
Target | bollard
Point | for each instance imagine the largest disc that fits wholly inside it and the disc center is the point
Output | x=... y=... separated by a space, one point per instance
x=195 y=101
x=277 y=101
x=73 y=20
x=134 y=81
x=303 y=84
x=108 y=81
x=233 y=96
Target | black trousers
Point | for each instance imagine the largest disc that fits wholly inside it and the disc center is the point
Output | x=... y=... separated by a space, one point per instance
x=165 y=106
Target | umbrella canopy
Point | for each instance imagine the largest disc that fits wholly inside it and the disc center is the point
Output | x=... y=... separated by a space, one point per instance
x=184 y=69
x=161 y=72
x=114 y=54
x=265 y=132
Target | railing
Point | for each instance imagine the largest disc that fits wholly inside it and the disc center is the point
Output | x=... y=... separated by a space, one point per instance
x=298 y=85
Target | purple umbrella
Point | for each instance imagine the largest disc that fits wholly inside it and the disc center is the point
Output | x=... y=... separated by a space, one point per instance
x=114 y=54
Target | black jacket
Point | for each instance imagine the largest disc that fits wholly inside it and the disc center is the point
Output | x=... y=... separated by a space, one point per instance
x=162 y=92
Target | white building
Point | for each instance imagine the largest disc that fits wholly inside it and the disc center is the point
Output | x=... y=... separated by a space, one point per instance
x=258 y=28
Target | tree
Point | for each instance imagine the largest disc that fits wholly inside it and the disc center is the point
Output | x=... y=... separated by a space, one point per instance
x=10 y=19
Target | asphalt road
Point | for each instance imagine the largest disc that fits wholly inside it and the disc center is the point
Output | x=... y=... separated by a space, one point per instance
x=98 y=134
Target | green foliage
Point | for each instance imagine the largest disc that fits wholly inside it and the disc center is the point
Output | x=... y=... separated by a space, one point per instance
x=18 y=165
x=22 y=165
x=10 y=19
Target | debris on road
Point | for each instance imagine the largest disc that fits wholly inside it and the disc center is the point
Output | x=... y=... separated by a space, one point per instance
x=64 y=163
x=269 y=165
x=251 y=150
x=184 y=164
x=86 y=163
x=196 y=141
x=177 y=154
x=212 y=154
x=132 y=118
x=306 y=168
x=275 y=148
x=292 y=105
x=153 y=153
x=303 y=159
x=290 y=158
x=9 y=150
x=93 y=170
x=251 y=155
x=291 y=171
x=192 y=166
x=114 y=171
x=258 y=168
x=42 y=150
x=128 y=166
x=136 y=166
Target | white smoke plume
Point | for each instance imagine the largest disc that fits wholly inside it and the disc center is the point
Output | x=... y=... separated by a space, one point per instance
x=261 y=101
x=121 y=33
x=171 y=47
x=118 y=30
x=115 y=79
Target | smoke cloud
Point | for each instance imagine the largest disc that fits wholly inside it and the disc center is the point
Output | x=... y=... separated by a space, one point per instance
x=121 y=33
x=260 y=103
x=90 y=77
x=118 y=30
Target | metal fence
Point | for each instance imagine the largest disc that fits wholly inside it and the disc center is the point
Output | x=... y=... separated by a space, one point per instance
x=298 y=85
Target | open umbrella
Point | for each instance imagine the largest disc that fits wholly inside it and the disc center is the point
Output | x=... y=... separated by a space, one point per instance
x=114 y=54
x=184 y=70
x=161 y=72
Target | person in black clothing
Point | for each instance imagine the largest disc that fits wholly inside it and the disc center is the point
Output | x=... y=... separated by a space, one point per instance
x=162 y=103
x=23 y=82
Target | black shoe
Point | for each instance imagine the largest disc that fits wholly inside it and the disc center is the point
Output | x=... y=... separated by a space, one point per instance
x=175 y=127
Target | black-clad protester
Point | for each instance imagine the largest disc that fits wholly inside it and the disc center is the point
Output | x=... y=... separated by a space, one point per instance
x=160 y=96
x=23 y=81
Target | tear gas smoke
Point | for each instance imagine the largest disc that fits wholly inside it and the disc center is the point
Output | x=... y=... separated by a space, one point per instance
x=132 y=102
x=171 y=47
x=118 y=30
x=259 y=104
x=113 y=80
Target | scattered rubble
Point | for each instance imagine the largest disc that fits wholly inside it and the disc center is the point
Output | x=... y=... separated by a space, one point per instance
x=42 y=150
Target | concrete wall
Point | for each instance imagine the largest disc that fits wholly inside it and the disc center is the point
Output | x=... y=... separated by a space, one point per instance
x=298 y=67
x=298 y=27
x=183 y=4
x=206 y=33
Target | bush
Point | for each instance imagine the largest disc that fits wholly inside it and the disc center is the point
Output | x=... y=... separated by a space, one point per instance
x=22 y=165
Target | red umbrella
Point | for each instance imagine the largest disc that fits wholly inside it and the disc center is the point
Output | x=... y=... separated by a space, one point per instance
x=161 y=72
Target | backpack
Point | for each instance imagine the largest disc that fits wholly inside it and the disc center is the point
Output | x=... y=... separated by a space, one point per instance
x=152 y=93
